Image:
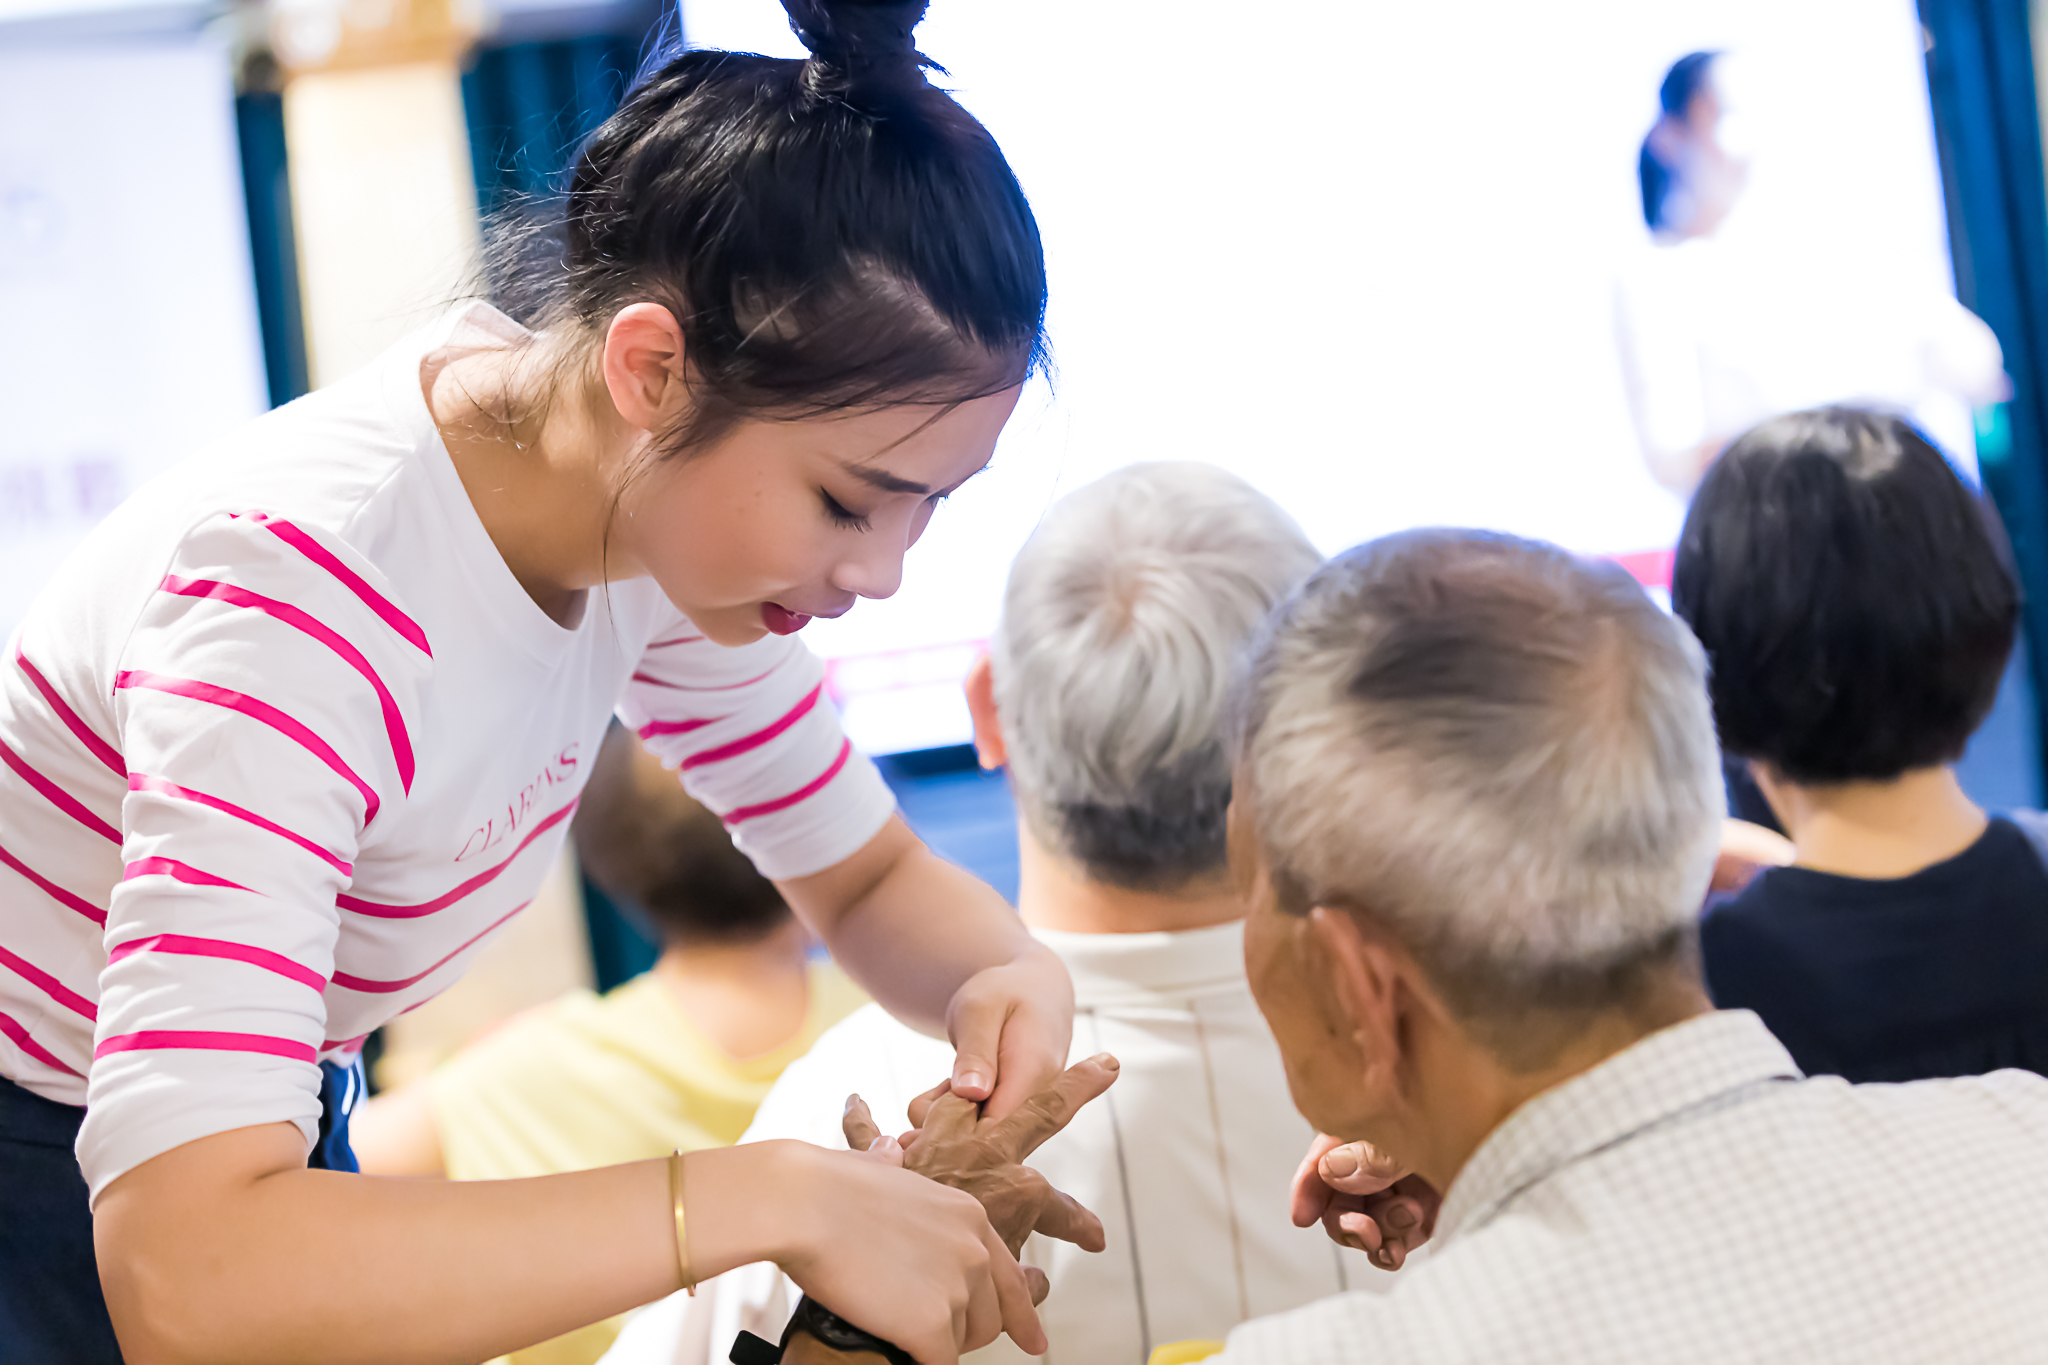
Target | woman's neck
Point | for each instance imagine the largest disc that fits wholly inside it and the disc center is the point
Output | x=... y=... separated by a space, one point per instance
x=748 y=998
x=1876 y=829
x=536 y=471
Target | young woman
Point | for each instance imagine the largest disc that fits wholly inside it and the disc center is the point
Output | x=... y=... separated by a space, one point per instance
x=304 y=722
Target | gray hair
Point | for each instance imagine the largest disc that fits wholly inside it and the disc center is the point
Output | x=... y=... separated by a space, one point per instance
x=1123 y=621
x=1501 y=753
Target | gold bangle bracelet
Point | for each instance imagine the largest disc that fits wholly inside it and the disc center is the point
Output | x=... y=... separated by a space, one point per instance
x=675 y=1194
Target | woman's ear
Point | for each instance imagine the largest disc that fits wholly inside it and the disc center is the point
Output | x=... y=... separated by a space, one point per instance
x=1363 y=978
x=980 y=688
x=643 y=365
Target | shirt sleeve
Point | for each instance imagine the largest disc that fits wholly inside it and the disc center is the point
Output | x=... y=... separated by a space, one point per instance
x=267 y=699
x=756 y=740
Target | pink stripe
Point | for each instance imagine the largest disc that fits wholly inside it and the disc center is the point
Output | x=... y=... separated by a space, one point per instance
x=653 y=681
x=13 y=1029
x=442 y=902
x=257 y=710
x=759 y=737
x=142 y=782
x=49 y=985
x=369 y=987
x=394 y=723
x=204 y=1040
x=1651 y=568
x=54 y=891
x=350 y=579
x=57 y=796
x=803 y=793
x=103 y=751
x=675 y=727
x=186 y=945
x=345 y=1044
x=678 y=640
x=177 y=871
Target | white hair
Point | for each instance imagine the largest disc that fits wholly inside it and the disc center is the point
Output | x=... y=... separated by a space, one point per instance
x=1122 y=624
x=1502 y=753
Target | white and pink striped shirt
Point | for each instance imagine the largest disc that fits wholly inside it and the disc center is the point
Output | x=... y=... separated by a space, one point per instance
x=284 y=741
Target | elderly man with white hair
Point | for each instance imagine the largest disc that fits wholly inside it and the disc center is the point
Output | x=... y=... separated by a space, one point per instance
x=1478 y=801
x=1124 y=616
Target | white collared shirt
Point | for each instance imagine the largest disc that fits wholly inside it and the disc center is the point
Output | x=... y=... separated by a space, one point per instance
x=1694 y=1199
x=1187 y=1160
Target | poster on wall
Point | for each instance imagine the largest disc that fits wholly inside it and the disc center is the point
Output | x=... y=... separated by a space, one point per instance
x=128 y=326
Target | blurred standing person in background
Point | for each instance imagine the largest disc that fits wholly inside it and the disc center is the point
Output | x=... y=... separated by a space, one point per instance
x=676 y=1059
x=304 y=720
x=1719 y=329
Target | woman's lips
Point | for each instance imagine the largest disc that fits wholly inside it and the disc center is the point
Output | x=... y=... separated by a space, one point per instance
x=781 y=620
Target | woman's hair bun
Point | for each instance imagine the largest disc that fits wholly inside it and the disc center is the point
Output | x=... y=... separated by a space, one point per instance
x=860 y=47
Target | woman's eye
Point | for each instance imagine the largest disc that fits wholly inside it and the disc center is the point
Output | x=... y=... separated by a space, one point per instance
x=840 y=516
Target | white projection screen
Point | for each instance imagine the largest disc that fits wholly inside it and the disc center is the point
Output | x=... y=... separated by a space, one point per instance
x=1371 y=257
x=128 y=327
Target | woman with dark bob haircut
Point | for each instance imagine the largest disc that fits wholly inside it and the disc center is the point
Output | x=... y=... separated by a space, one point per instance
x=305 y=721
x=1856 y=606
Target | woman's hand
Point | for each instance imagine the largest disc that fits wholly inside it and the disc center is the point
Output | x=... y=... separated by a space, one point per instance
x=1364 y=1199
x=942 y=951
x=907 y=1259
x=1010 y=1027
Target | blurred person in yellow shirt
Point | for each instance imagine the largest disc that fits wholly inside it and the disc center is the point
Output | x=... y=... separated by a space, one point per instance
x=675 y=1059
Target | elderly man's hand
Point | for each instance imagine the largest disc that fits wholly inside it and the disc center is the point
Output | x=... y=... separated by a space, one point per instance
x=953 y=1144
x=1365 y=1200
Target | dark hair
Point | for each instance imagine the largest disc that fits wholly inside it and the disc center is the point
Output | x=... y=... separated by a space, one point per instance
x=1853 y=596
x=642 y=839
x=1682 y=84
x=829 y=233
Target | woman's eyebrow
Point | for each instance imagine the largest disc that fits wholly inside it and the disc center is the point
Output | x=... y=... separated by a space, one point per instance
x=887 y=482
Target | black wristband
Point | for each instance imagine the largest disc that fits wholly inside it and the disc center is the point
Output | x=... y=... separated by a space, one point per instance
x=829 y=1329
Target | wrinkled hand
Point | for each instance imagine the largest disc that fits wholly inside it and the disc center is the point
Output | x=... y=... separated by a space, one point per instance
x=1365 y=1200
x=955 y=1145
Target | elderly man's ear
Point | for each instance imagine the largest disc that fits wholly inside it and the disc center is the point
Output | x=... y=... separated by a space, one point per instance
x=981 y=705
x=1368 y=991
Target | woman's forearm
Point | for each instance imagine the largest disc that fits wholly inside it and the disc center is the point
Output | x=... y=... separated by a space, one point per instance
x=227 y=1250
x=910 y=926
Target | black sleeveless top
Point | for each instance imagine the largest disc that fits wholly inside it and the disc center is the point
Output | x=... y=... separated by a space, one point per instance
x=1940 y=973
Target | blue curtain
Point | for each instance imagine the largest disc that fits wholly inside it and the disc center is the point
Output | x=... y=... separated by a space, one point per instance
x=259 y=123
x=1980 y=76
x=530 y=104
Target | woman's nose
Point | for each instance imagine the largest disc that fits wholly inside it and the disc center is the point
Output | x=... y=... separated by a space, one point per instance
x=876 y=569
